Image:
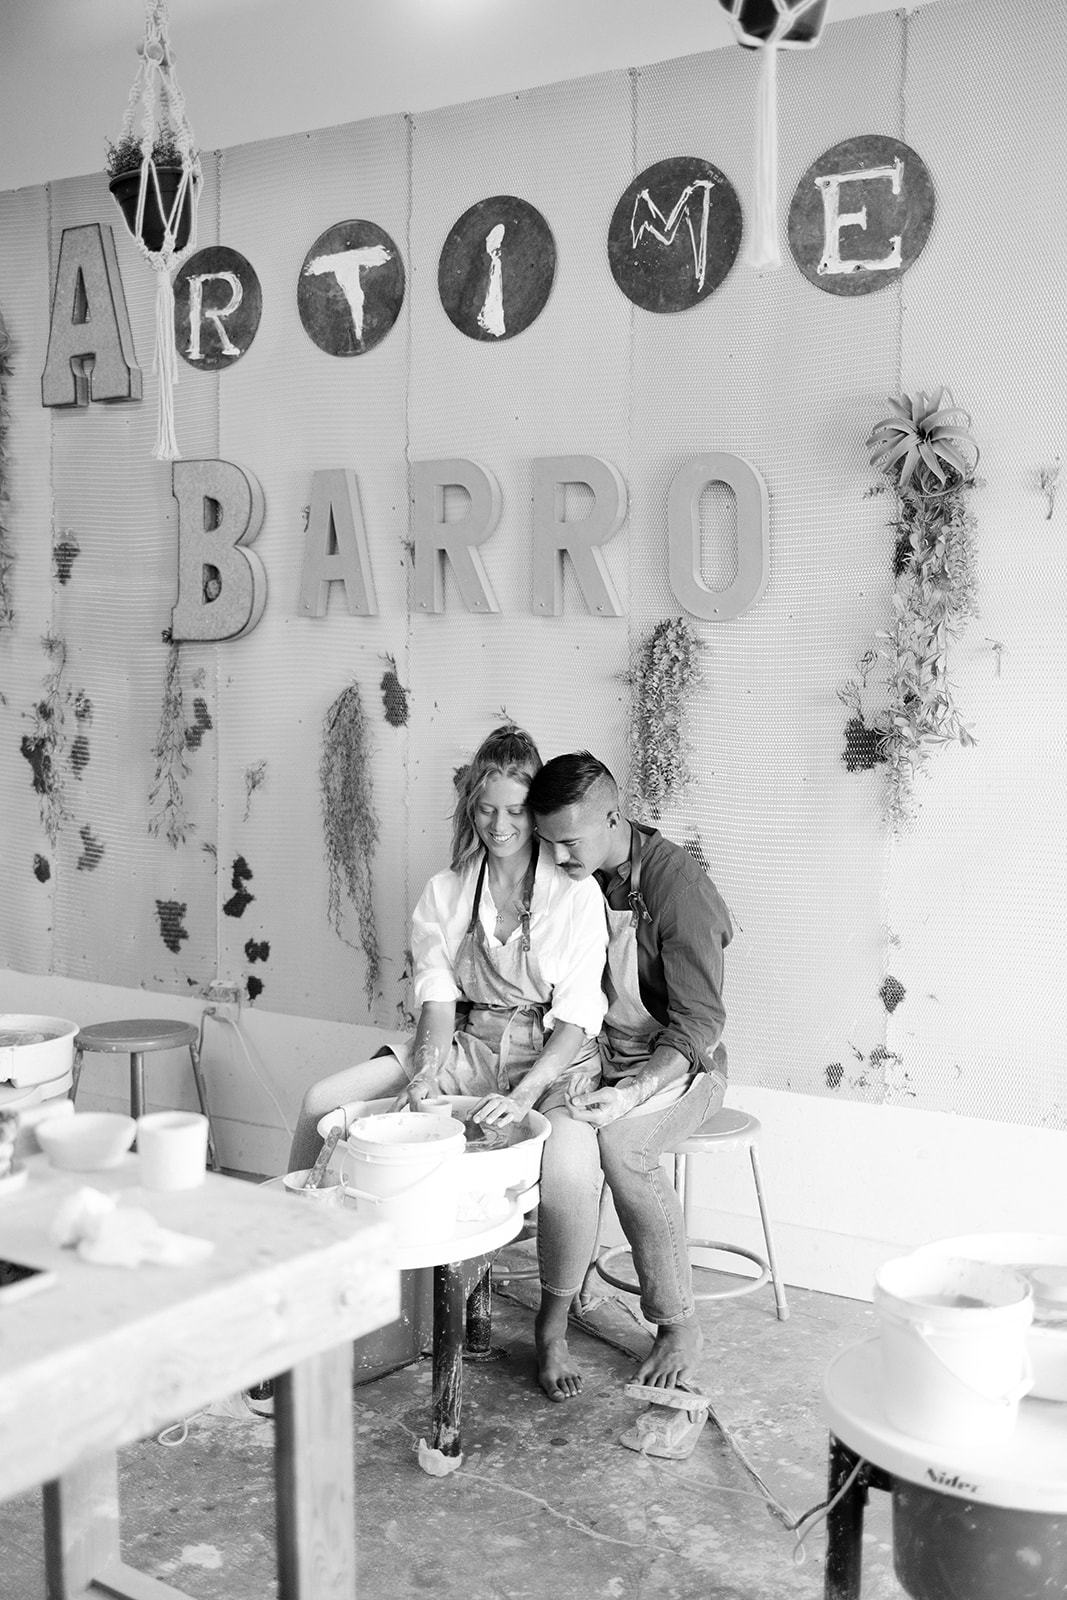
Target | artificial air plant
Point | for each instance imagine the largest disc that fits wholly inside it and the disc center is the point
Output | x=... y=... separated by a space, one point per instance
x=926 y=451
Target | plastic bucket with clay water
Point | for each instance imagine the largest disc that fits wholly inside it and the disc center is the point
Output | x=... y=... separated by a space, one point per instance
x=954 y=1357
x=405 y=1170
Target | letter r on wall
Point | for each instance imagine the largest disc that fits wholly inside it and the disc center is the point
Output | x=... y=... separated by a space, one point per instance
x=554 y=537
x=437 y=539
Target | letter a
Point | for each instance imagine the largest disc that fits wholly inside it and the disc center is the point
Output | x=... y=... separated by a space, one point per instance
x=335 y=549
x=222 y=589
x=90 y=344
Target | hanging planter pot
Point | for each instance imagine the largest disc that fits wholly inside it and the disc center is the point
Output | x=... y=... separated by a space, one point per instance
x=126 y=189
x=155 y=177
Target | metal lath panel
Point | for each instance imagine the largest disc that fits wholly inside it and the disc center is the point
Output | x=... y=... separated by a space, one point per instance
x=288 y=409
x=560 y=387
x=130 y=908
x=772 y=370
x=26 y=856
x=977 y=895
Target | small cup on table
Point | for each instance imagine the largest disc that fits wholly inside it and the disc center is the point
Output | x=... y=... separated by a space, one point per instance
x=172 y=1149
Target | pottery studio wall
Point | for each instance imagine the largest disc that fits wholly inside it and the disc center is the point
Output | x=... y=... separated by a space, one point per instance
x=914 y=976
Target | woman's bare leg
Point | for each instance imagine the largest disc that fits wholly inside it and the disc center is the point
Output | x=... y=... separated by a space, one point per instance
x=369 y=1080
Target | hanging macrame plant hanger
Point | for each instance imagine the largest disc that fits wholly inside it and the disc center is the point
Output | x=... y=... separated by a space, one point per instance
x=161 y=204
x=769 y=26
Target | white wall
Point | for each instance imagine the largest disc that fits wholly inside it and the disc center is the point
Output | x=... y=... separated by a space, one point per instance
x=252 y=69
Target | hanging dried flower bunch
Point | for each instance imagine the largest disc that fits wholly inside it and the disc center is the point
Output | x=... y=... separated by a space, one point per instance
x=350 y=824
x=166 y=798
x=927 y=452
x=43 y=746
x=664 y=676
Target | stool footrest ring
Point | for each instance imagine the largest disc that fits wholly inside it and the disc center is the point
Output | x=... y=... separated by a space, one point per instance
x=749 y=1286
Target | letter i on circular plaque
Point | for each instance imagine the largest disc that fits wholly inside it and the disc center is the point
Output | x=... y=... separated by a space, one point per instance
x=496 y=268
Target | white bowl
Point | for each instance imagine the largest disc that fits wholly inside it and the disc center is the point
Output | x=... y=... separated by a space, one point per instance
x=86 y=1142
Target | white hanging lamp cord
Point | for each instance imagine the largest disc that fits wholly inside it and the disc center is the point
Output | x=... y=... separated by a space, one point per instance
x=155 y=73
x=762 y=251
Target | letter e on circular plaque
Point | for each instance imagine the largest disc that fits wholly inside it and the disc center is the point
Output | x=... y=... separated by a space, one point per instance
x=675 y=234
x=217 y=306
x=861 y=215
x=351 y=288
x=496 y=268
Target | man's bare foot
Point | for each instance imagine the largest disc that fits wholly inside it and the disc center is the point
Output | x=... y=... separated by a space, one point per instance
x=557 y=1373
x=675 y=1352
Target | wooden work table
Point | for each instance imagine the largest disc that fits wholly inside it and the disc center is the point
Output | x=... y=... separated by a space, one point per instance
x=110 y=1355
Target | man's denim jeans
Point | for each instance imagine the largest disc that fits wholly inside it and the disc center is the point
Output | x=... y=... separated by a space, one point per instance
x=628 y=1152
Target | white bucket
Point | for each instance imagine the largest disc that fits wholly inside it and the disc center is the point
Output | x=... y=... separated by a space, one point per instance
x=405 y=1169
x=954 y=1355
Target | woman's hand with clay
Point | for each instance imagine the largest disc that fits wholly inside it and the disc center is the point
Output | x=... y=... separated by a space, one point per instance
x=498 y=1110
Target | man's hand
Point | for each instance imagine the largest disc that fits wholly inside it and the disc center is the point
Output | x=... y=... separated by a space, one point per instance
x=498 y=1110
x=604 y=1105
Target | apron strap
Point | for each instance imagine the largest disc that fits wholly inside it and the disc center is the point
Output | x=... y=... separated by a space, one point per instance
x=525 y=902
x=639 y=912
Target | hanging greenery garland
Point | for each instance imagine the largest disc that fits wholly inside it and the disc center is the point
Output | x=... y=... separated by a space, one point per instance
x=928 y=455
x=350 y=824
x=7 y=557
x=663 y=679
x=166 y=798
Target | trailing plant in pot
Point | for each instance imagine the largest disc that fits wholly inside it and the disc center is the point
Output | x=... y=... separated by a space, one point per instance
x=126 y=157
x=927 y=453
x=350 y=824
x=665 y=673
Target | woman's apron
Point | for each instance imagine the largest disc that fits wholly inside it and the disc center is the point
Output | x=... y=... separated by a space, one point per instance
x=505 y=998
x=626 y=1040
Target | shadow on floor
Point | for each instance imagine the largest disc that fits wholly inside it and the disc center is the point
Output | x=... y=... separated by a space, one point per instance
x=547 y=1504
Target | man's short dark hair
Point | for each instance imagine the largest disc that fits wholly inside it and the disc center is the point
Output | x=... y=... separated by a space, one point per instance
x=566 y=781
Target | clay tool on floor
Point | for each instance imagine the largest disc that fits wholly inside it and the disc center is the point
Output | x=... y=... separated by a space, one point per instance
x=318 y=1171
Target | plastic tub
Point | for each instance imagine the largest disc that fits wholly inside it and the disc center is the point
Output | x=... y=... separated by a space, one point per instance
x=1046 y=1338
x=954 y=1353
x=35 y=1049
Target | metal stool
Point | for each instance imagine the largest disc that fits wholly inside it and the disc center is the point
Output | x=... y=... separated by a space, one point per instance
x=138 y=1039
x=726 y=1130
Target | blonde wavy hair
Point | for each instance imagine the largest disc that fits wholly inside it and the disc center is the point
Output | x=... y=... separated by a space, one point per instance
x=507 y=752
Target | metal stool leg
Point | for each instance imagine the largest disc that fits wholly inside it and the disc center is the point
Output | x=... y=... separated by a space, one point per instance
x=201 y=1094
x=780 y=1304
x=136 y=1083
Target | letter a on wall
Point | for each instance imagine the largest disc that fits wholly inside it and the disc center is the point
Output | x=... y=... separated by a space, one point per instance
x=90 y=343
x=335 y=549
x=222 y=588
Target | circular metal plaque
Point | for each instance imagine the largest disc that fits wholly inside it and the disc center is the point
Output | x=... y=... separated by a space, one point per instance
x=675 y=234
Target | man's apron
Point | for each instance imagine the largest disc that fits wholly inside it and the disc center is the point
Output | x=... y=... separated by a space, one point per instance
x=501 y=1032
x=626 y=1040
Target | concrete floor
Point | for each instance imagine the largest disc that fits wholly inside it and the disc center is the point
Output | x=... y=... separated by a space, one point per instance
x=547 y=1505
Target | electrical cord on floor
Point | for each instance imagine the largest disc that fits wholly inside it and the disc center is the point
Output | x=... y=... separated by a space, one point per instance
x=218 y=1016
